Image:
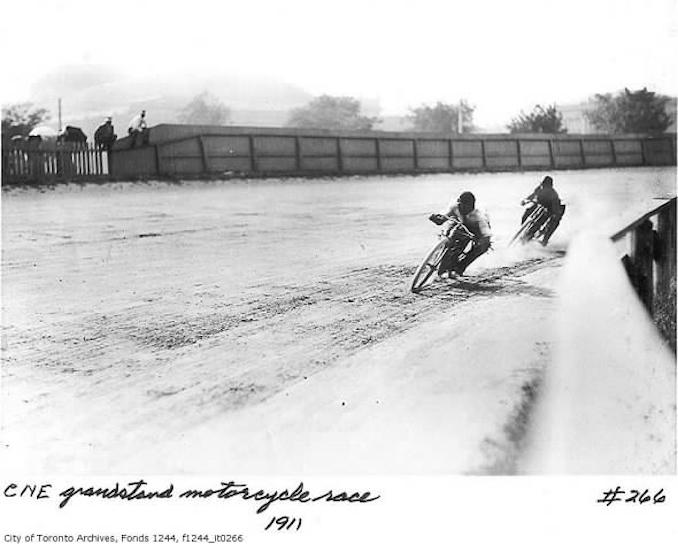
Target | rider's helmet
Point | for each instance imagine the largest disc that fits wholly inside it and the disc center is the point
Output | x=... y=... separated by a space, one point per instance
x=547 y=182
x=467 y=202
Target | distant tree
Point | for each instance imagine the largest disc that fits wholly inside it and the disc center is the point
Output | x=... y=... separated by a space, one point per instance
x=443 y=118
x=205 y=109
x=20 y=119
x=545 y=120
x=331 y=112
x=630 y=112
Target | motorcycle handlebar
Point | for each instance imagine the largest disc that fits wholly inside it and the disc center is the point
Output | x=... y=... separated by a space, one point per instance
x=440 y=219
x=462 y=228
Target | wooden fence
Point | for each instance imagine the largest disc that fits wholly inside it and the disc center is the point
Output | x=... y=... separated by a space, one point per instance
x=651 y=263
x=194 y=151
x=47 y=162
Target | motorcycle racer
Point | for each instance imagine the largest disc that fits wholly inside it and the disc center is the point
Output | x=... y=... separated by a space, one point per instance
x=545 y=195
x=476 y=221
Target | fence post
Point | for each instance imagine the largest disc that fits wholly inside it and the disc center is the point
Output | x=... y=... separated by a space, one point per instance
x=253 y=157
x=378 y=149
x=297 y=152
x=484 y=153
x=643 y=152
x=157 y=159
x=70 y=161
x=95 y=160
x=642 y=254
x=34 y=161
x=614 y=152
x=203 y=153
x=451 y=152
x=518 y=155
x=552 y=158
x=666 y=257
x=340 y=158
x=88 y=154
x=672 y=147
x=581 y=152
x=415 y=154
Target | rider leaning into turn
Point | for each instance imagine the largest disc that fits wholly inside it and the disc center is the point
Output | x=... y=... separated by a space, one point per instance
x=547 y=196
x=464 y=209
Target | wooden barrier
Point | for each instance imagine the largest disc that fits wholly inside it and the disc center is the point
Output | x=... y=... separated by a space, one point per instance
x=194 y=151
x=607 y=400
x=45 y=162
x=607 y=404
x=651 y=263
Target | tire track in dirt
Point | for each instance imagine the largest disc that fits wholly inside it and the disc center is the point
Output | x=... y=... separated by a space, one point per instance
x=182 y=367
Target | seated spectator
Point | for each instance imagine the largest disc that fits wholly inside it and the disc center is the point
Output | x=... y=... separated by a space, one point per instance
x=138 y=126
x=105 y=136
x=72 y=134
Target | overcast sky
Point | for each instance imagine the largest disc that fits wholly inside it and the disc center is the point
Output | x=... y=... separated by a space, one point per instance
x=503 y=56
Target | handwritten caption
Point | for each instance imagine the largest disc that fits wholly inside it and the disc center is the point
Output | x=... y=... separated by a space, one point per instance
x=140 y=490
x=638 y=496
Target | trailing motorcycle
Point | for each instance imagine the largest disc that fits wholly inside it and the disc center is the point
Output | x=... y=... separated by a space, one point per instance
x=535 y=226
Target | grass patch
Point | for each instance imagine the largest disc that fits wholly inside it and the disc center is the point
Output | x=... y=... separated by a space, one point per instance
x=665 y=315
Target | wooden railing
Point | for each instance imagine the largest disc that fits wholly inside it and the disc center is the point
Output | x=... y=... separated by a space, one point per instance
x=651 y=263
x=51 y=161
x=607 y=403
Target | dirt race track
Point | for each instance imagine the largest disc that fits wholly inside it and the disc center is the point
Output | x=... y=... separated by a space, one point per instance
x=141 y=318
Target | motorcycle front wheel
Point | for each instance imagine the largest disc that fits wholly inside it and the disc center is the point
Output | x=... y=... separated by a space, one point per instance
x=428 y=267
